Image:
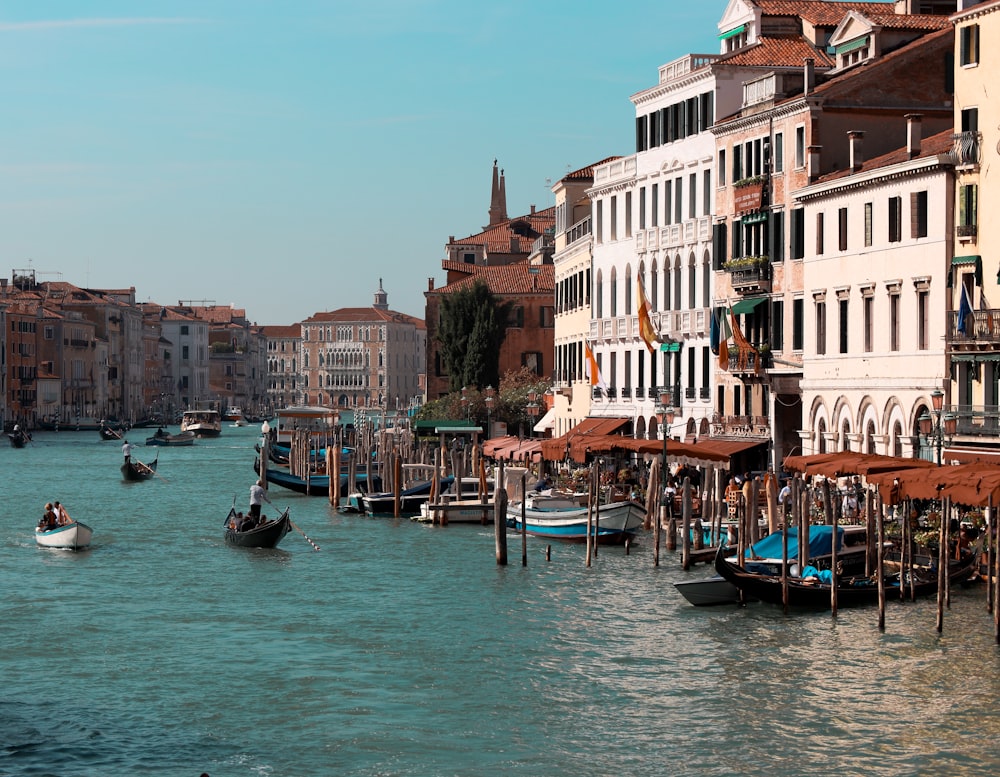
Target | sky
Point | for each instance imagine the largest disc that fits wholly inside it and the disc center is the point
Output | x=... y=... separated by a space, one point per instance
x=284 y=157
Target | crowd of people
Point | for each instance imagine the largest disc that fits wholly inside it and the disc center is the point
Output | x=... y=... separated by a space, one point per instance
x=55 y=515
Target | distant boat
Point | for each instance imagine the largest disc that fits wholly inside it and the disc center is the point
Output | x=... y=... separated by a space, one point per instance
x=233 y=413
x=70 y=536
x=19 y=438
x=163 y=438
x=203 y=423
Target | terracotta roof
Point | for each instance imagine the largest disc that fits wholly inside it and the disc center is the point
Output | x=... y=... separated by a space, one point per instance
x=586 y=173
x=819 y=12
x=352 y=315
x=500 y=237
x=911 y=21
x=518 y=278
x=779 y=52
x=277 y=331
x=941 y=143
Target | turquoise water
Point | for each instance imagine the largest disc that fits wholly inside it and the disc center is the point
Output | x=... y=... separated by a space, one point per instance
x=403 y=649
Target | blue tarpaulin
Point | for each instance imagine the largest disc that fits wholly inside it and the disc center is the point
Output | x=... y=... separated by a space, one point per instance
x=820 y=543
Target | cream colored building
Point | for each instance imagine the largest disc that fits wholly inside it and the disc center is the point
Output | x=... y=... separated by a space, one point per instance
x=876 y=285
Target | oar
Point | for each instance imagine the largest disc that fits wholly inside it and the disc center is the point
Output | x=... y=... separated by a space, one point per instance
x=292 y=523
x=147 y=467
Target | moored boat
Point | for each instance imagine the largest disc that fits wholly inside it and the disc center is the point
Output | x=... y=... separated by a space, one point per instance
x=70 y=536
x=264 y=535
x=410 y=499
x=565 y=518
x=316 y=484
x=203 y=423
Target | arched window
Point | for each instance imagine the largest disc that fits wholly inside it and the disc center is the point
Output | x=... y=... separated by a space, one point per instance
x=706 y=280
x=654 y=301
x=845 y=429
x=599 y=295
x=666 y=283
x=614 y=291
x=628 y=289
x=821 y=435
x=677 y=283
x=692 y=282
x=870 y=437
x=897 y=439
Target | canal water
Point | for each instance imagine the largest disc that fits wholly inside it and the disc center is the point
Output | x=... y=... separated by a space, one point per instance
x=403 y=649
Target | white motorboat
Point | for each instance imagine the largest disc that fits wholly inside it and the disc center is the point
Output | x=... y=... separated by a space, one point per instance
x=70 y=536
x=565 y=518
x=204 y=423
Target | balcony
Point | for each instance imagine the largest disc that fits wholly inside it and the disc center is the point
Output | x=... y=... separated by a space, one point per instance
x=976 y=420
x=741 y=426
x=982 y=328
x=966 y=230
x=968 y=148
x=749 y=274
x=751 y=363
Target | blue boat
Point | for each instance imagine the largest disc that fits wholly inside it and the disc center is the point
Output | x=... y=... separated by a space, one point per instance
x=317 y=485
x=410 y=499
x=560 y=518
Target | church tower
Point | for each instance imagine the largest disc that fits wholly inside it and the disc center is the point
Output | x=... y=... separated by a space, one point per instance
x=498 y=198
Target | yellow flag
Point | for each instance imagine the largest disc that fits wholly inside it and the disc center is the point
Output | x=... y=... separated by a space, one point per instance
x=646 y=331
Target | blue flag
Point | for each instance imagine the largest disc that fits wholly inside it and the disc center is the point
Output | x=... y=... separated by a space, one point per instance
x=964 y=313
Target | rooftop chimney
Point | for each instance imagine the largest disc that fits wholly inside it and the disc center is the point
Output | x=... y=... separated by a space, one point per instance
x=913 y=134
x=430 y=284
x=808 y=75
x=856 y=139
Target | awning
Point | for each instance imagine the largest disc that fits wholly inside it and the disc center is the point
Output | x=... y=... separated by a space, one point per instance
x=746 y=305
x=971 y=455
x=732 y=33
x=547 y=421
x=975 y=357
x=853 y=45
x=970 y=259
x=592 y=426
x=726 y=447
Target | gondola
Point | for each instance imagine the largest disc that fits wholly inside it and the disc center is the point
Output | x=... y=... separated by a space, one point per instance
x=18 y=439
x=109 y=432
x=163 y=438
x=136 y=470
x=267 y=535
x=814 y=590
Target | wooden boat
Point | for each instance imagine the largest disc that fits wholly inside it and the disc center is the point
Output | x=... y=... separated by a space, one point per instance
x=317 y=484
x=764 y=557
x=164 y=438
x=111 y=431
x=19 y=438
x=136 y=470
x=203 y=423
x=462 y=505
x=813 y=588
x=70 y=536
x=267 y=535
x=565 y=518
x=410 y=499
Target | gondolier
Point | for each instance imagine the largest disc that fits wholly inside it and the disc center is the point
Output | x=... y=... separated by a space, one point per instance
x=127 y=451
x=257 y=496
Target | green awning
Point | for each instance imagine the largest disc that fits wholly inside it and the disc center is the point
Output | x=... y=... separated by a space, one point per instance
x=747 y=305
x=733 y=32
x=972 y=259
x=754 y=218
x=854 y=45
x=975 y=357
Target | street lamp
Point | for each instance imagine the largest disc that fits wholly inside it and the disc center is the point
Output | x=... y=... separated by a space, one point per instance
x=465 y=401
x=665 y=414
x=489 y=392
x=939 y=425
x=533 y=409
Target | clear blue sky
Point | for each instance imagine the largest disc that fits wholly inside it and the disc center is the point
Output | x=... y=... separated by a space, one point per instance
x=283 y=156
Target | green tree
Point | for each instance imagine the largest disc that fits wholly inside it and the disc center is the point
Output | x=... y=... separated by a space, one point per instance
x=473 y=325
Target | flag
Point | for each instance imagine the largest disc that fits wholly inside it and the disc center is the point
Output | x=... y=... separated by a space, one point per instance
x=743 y=347
x=964 y=312
x=713 y=334
x=646 y=331
x=593 y=371
x=725 y=332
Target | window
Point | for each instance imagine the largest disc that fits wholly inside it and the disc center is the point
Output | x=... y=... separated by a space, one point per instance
x=706 y=193
x=895 y=219
x=692 y=195
x=918 y=214
x=894 y=321
x=49 y=332
x=654 y=205
x=628 y=214
x=517 y=317
x=547 y=317
x=968 y=45
x=821 y=327
x=642 y=207
x=722 y=167
x=613 y=218
x=184 y=351
x=184 y=329
x=614 y=291
x=599 y=221
x=868 y=312
x=678 y=193
x=819 y=234
x=798 y=324
x=842 y=229
x=778 y=153
x=776 y=235
x=533 y=361
x=869 y=211
x=968 y=197
x=842 y=305
x=777 y=325
x=923 y=324
x=798 y=233
x=800 y=147
x=668 y=199
x=628 y=290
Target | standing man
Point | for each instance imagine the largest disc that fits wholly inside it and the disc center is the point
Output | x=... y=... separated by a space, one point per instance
x=127 y=450
x=257 y=496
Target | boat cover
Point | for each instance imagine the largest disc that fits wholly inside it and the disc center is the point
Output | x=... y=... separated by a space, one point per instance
x=820 y=543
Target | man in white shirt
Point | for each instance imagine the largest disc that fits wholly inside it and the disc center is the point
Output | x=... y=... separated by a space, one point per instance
x=258 y=496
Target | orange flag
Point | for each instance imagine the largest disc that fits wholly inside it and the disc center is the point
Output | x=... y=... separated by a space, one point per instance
x=725 y=332
x=593 y=371
x=646 y=331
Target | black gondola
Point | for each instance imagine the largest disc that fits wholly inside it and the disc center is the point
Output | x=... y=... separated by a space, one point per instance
x=133 y=469
x=267 y=535
x=18 y=439
x=851 y=591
